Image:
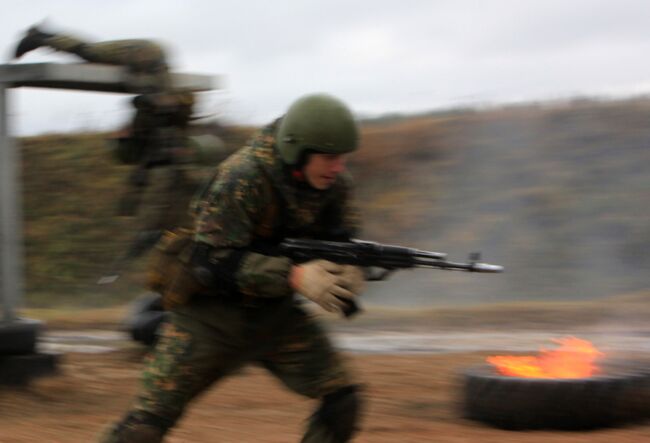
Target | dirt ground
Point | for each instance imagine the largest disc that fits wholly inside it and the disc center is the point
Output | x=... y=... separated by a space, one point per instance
x=410 y=398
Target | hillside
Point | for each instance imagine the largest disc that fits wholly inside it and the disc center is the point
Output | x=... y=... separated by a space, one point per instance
x=559 y=195
x=556 y=194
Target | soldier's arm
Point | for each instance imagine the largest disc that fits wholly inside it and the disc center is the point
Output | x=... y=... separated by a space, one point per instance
x=226 y=219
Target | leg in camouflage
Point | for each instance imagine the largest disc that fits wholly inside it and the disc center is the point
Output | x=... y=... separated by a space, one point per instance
x=207 y=340
x=145 y=59
x=306 y=363
x=189 y=356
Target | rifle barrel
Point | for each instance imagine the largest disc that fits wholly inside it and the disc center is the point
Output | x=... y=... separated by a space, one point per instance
x=469 y=267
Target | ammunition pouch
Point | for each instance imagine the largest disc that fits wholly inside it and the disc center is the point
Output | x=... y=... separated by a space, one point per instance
x=169 y=272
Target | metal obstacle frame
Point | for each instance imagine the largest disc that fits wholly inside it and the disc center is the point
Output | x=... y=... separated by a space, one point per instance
x=71 y=76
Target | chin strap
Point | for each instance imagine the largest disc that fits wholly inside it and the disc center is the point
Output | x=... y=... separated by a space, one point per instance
x=298 y=175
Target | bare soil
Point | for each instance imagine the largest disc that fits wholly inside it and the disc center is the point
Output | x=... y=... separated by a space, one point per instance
x=410 y=398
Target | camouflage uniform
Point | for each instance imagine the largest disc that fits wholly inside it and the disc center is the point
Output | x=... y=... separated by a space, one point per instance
x=158 y=195
x=171 y=188
x=252 y=316
x=156 y=136
x=156 y=141
x=140 y=55
x=145 y=60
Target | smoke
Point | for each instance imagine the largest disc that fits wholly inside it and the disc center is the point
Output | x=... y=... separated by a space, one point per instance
x=557 y=196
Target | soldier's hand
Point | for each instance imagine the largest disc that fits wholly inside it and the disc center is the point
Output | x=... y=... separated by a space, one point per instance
x=320 y=282
x=353 y=279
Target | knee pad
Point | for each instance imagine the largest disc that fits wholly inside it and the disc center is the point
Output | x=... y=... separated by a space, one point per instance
x=339 y=412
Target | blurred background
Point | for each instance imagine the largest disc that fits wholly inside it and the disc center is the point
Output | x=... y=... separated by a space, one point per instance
x=518 y=129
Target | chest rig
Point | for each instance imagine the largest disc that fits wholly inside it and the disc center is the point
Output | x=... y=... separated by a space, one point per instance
x=278 y=222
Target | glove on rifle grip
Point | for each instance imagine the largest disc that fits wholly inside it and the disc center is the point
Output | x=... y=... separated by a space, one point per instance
x=351 y=309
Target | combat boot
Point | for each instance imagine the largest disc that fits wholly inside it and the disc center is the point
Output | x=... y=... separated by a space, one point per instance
x=335 y=421
x=33 y=39
x=139 y=433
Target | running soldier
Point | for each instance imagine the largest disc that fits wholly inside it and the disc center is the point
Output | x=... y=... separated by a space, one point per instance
x=239 y=302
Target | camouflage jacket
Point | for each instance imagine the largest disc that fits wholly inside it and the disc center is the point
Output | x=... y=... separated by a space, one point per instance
x=253 y=198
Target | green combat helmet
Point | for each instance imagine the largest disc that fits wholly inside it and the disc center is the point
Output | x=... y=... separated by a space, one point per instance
x=319 y=123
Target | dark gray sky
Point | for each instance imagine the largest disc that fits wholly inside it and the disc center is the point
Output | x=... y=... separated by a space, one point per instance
x=378 y=55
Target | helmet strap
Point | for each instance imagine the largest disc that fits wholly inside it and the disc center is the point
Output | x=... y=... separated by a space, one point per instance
x=298 y=175
x=298 y=170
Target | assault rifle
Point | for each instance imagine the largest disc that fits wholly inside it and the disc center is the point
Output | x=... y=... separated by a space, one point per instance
x=376 y=255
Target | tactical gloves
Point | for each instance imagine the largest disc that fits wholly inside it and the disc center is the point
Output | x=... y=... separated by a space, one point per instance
x=353 y=279
x=331 y=286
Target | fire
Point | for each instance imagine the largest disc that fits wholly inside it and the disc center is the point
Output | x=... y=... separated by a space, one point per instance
x=573 y=359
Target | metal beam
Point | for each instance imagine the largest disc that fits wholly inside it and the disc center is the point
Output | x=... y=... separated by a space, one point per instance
x=90 y=77
x=11 y=242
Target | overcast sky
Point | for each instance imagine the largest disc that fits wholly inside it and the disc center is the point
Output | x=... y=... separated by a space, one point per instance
x=380 y=56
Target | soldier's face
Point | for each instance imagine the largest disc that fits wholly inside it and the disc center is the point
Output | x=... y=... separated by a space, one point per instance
x=321 y=170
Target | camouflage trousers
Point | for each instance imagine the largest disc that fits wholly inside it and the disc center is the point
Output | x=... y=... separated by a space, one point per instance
x=144 y=58
x=207 y=340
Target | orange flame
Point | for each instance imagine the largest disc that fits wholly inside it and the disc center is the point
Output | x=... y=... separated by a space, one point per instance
x=574 y=359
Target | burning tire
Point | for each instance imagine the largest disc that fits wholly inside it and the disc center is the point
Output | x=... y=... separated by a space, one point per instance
x=540 y=403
